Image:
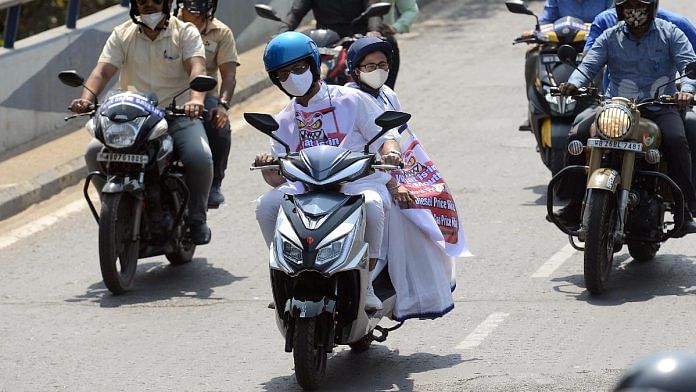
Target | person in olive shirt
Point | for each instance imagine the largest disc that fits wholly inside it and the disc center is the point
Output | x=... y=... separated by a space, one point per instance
x=221 y=55
x=335 y=15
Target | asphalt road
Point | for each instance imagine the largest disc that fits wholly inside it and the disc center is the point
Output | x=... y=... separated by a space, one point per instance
x=523 y=320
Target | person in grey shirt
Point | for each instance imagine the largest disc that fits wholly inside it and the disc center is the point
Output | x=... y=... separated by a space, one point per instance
x=641 y=53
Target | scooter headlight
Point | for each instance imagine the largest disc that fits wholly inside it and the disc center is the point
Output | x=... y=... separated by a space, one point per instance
x=331 y=252
x=614 y=121
x=120 y=134
x=291 y=252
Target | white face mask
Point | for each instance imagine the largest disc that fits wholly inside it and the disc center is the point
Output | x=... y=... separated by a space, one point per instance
x=298 y=85
x=374 y=79
x=152 y=20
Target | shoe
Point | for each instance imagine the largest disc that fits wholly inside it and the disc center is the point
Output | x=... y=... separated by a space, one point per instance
x=271 y=305
x=372 y=303
x=569 y=215
x=215 y=197
x=200 y=233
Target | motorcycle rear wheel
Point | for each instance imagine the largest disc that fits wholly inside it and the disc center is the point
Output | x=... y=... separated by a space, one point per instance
x=643 y=251
x=309 y=356
x=599 y=244
x=118 y=253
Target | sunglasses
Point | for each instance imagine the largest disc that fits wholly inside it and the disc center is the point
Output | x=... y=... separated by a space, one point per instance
x=143 y=2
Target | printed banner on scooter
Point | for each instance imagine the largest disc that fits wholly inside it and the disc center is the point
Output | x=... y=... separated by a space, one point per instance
x=435 y=211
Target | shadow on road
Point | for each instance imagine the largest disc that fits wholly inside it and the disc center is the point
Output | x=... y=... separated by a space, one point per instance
x=158 y=282
x=378 y=369
x=633 y=281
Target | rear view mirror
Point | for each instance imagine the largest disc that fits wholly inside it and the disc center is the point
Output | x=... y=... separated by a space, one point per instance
x=266 y=12
x=567 y=54
x=518 y=7
x=263 y=122
x=71 y=78
x=203 y=83
x=267 y=125
x=391 y=120
x=691 y=70
x=377 y=9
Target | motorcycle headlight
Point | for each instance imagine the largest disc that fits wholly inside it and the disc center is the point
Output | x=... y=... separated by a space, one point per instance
x=331 y=252
x=120 y=134
x=614 y=121
x=291 y=252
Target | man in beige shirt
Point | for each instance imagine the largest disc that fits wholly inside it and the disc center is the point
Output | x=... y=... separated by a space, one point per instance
x=160 y=54
x=221 y=56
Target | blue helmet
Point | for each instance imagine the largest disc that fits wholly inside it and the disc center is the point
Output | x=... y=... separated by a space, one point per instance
x=289 y=47
x=364 y=46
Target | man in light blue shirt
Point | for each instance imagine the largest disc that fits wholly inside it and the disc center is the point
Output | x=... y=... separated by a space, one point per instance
x=581 y=9
x=607 y=20
x=641 y=54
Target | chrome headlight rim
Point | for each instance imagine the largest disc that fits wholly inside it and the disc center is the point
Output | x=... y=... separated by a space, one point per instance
x=620 y=113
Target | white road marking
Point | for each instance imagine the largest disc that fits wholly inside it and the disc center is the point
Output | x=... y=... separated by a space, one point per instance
x=481 y=332
x=40 y=224
x=554 y=262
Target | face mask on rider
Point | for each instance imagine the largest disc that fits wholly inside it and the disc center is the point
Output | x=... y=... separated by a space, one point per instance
x=635 y=17
x=374 y=79
x=152 y=20
x=298 y=85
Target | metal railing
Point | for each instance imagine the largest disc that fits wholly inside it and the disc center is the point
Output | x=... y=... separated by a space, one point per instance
x=13 y=12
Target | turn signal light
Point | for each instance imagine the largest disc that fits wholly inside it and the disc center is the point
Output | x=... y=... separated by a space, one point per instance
x=575 y=147
x=652 y=156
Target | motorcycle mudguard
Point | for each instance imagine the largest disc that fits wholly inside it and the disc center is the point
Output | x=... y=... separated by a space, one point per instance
x=112 y=187
x=559 y=134
x=606 y=179
x=310 y=309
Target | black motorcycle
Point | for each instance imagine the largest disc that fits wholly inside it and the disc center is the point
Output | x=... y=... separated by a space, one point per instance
x=551 y=116
x=144 y=202
x=332 y=48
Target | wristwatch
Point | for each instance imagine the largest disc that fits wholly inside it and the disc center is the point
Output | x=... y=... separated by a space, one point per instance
x=225 y=104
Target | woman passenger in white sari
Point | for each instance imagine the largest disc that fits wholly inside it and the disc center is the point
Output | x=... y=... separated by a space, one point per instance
x=423 y=233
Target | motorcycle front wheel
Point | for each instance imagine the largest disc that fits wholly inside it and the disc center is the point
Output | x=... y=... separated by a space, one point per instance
x=599 y=244
x=118 y=253
x=309 y=354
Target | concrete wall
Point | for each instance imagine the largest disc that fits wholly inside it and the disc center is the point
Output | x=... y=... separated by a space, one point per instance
x=32 y=100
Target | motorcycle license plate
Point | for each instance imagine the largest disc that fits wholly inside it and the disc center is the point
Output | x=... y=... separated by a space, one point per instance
x=615 y=145
x=553 y=59
x=125 y=158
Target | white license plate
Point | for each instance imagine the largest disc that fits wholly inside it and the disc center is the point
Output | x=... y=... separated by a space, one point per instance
x=552 y=58
x=125 y=158
x=615 y=145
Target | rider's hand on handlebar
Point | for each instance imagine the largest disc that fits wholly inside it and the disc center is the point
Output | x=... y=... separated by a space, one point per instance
x=264 y=159
x=194 y=108
x=683 y=100
x=527 y=35
x=375 y=34
x=393 y=158
x=568 y=89
x=81 y=105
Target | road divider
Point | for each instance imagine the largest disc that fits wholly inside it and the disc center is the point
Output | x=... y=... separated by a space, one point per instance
x=475 y=338
x=555 y=262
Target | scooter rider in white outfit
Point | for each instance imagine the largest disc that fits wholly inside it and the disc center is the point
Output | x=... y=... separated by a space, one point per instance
x=321 y=114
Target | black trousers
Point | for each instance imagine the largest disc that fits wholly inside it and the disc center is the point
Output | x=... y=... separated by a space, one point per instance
x=395 y=63
x=675 y=149
x=220 y=141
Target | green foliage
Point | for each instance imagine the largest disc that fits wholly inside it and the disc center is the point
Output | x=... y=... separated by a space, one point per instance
x=41 y=15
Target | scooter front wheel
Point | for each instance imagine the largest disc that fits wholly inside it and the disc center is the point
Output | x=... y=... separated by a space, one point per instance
x=309 y=354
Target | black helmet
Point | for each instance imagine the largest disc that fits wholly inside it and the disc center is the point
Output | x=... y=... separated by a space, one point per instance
x=324 y=38
x=652 y=8
x=666 y=372
x=199 y=7
x=166 y=10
